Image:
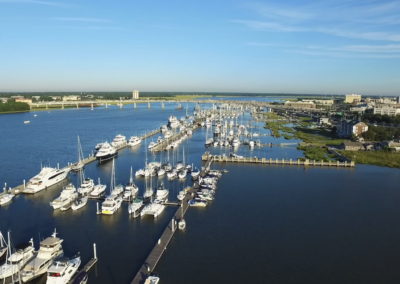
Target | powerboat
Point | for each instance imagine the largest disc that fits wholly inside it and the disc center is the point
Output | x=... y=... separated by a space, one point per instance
x=209 y=142
x=172 y=174
x=86 y=187
x=173 y=122
x=161 y=172
x=68 y=194
x=162 y=193
x=106 y=152
x=46 y=178
x=182 y=224
x=23 y=253
x=111 y=204
x=79 y=202
x=181 y=195
x=98 y=190
x=135 y=205
x=6 y=198
x=152 y=279
x=195 y=173
x=198 y=203
x=134 y=141
x=182 y=174
x=168 y=134
x=49 y=250
x=62 y=270
x=119 y=140
x=152 y=145
x=131 y=191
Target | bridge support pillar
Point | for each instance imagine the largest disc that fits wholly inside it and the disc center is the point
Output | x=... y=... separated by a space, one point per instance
x=62 y=106
x=179 y=105
x=47 y=106
x=162 y=105
x=91 y=107
x=148 y=105
x=106 y=105
x=134 y=105
x=77 y=106
x=120 y=105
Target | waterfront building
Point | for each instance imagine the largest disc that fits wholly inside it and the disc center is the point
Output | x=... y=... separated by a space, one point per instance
x=3 y=100
x=71 y=98
x=351 y=98
x=352 y=146
x=17 y=97
x=392 y=144
x=349 y=127
x=389 y=110
x=135 y=95
x=299 y=104
x=28 y=101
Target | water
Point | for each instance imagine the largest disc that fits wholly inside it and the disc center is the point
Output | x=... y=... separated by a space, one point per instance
x=268 y=223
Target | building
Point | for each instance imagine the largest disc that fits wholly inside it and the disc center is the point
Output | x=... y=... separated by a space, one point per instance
x=322 y=120
x=389 y=110
x=36 y=98
x=348 y=127
x=398 y=100
x=351 y=98
x=3 y=100
x=28 y=101
x=135 y=95
x=392 y=144
x=71 y=98
x=299 y=104
x=17 y=97
x=352 y=146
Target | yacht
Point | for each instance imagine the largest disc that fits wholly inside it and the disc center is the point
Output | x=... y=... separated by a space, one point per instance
x=181 y=195
x=68 y=194
x=106 y=152
x=23 y=253
x=152 y=208
x=209 y=142
x=152 y=279
x=251 y=144
x=98 y=190
x=62 y=270
x=6 y=198
x=50 y=249
x=235 y=142
x=131 y=189
x=198 y=203
x=195 y=173
x=86 y=187
x=119 y=140
x=168 y=134
x=182 y=174
x=134 y=141
x=111 y=204
x=135 y=205
x=152 y=145
x=46 y=178
x=140 y=173
x=173 y=122
x=162 y=193
x=98 y=146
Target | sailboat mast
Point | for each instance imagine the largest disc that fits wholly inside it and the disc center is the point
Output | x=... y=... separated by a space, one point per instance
x=131 y=178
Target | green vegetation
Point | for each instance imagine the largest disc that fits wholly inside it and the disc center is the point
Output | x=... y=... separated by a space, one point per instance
x=374 y=118
x=376 y=133
x=315 y=153
x=272 y=126
x=271 y=115
x=379 y=158
x=13 y=107
x=287 y=136
x=317 y=136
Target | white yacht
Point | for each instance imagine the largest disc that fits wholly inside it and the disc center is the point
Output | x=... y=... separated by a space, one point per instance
x=98 y=190
x=251 y=144
x=86 y=187
x=111 y=204
x=62 y=270
x=152 y=208
x=152 y=145
x=182 y=174
x=46 y=178
x=168 y=134
x=235 y=142
x=162 y=193
x=181 y=195
x=50 y=249
x=106 y=152
x=135 y=205
x=134 y=141
x=198 y=203
x=119 y=140
x=79 y=202
x=67 y=195
x=6 y=198
x=16 y=261
x=173 y=122
x=152 y=279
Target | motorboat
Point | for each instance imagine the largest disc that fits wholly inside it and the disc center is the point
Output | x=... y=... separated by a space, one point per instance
x=68 y=194
x=131 y=189
x=6 y=198
x=181 y=195
x=119 y=140
x=182 y=224
x=251 y=144
x=140 y=173
x=172 y=174
x=46 y=178
x=118 y=190
x=168 y=134
x=179 y=166
x=161 y=172
x=215 y=143
x=106 y=152
x=135 y=205
x=62 y=270
x=188 y=168
x=111 y=204
x=81 y=278
x=152 y=208
x=152 y=145
x=23 y=253
x=195 y=173
x=86 y=187
x=134 y=141
x=50 y=249
x=162 y=193
x=152 y=279
x=209 y=142
x=27 y=121
x=98 y=190
x=98 y=146
x=173 y=122
x=198 y=203
x=79 y=202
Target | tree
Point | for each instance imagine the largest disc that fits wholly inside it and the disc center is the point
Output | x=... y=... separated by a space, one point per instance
x=354 y=137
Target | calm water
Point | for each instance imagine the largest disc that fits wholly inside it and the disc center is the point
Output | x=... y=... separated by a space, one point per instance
x=268 y=223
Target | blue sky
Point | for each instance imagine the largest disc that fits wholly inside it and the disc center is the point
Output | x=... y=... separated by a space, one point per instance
x=331 y=46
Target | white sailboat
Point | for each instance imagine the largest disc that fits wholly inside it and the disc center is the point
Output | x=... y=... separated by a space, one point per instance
x=131 y=189
x=113 y=201
x=98 y=190
x=182 y=222
x=79 y=165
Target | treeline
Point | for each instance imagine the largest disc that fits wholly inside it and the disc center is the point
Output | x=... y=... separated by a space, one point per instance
x=376 y=133
x=13 y=106
x=388 y=119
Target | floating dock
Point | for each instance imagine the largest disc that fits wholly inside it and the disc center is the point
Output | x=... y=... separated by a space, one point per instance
x=88 y=265
x=207 y=157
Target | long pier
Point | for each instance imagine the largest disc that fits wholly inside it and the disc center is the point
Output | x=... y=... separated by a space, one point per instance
x=255 y=160
x=155 y=255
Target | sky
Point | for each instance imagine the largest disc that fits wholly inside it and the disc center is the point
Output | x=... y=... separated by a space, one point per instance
x=293 y=46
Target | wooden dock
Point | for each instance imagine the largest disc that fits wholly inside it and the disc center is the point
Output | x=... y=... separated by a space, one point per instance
x=149 y=134
x=255 y=160
x=162 y=243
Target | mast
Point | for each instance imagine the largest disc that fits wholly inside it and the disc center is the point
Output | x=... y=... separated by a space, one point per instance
x=112 y=184
x=131 y=179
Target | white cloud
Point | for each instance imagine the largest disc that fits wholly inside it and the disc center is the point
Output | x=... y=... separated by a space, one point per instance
x=81 y=20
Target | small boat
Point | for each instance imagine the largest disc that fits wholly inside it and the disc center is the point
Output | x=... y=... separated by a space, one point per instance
x=162 y=193
x=134 y=141
x=35 y=115
x=79 y=202
x=182 y=174
x=181 y=195
x=198 y=203
x=62 y=270
x=135 y=205
x=160 y=172
x=6 y=198
x=182 y=222
x=68 y=194
x=98 y=190
x=152 y=279
x=195 y=173
x=82 y=278
x=27 y=121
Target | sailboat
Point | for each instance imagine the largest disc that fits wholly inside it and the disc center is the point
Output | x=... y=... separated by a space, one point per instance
x=113 y=201
x=131 y=189
x=6 y=197
x=3 y=248
x=79 y=165
x=182 y=174
x=182 y=222
x=209 y=141
x=82 y=199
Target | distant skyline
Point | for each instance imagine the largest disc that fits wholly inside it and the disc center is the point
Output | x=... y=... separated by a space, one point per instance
x=300 y=47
